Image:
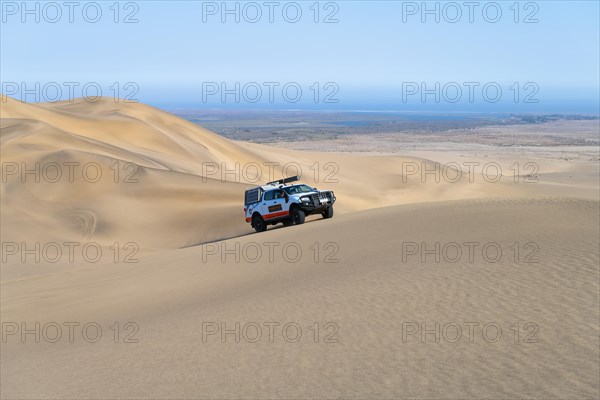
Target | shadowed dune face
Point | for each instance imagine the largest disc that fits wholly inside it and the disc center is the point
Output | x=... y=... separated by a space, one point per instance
x=133 y=173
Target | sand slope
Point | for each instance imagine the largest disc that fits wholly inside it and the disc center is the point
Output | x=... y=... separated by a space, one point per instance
x=369 y=293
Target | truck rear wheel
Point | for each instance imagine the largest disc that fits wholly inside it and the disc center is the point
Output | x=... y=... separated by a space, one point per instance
x=258 y=223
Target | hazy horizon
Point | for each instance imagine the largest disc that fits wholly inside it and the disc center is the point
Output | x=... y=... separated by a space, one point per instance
x=420 y=56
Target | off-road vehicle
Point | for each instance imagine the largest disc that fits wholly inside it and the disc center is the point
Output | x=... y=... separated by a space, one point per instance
x=277 y=202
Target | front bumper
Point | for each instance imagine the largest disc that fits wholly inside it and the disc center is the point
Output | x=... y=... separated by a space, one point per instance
x=318 y=202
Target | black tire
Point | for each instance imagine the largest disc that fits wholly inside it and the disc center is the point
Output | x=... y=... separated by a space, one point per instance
x=328 y=213
x=298 y=216
x=258 y=223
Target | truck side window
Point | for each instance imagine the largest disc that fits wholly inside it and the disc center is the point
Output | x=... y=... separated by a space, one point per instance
x=269 y=195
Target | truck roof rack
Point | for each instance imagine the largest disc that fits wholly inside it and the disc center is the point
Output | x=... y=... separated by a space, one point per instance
x=285 y=180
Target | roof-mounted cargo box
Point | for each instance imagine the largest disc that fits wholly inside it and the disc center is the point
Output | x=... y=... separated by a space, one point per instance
x=285 y=180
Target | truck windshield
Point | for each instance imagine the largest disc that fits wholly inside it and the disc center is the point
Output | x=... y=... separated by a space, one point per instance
x=298 y=189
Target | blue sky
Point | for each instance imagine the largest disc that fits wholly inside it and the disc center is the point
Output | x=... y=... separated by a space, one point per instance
x=372 y=57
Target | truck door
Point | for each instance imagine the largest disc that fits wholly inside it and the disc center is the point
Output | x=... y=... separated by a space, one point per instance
x=274 y=204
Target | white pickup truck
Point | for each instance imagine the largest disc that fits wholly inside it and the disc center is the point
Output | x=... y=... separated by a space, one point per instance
x=277 y=202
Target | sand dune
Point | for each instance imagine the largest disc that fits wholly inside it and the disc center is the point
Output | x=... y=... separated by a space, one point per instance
x=168 y=183
x=385 y=264
x=371 y=294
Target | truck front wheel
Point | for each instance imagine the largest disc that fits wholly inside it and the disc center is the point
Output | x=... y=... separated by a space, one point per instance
x=328 y=213
x=298 y=216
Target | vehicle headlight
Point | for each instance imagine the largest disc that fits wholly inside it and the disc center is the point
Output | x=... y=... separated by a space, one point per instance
x=305 y=199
